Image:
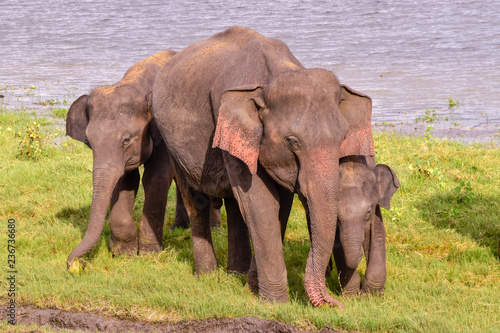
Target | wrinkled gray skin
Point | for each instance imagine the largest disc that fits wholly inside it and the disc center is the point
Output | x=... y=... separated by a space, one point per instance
x=364 y=188
x=243 y=120
x=117 y=123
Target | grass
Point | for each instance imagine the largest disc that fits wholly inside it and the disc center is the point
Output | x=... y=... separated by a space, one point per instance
x=60 y=112
x=442 y=235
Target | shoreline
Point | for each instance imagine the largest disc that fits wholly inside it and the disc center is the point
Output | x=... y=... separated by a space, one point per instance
x=40 y=98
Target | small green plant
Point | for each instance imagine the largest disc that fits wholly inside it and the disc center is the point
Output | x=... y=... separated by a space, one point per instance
x=32 y=144
x=428 y=134
x=429 y=117
x=452 y=102
x=51 y=102
x=428 y=167
x=463 y=192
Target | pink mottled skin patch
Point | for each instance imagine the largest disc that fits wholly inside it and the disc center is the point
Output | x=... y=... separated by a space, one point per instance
x=321 y=158
x=238 y=129
x=358 y=142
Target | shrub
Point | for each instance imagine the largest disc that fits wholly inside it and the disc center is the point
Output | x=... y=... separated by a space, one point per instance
x=33 y=144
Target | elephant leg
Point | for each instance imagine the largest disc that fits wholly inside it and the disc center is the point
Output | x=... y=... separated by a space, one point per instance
x=156 y=181
x=198 y=209
x=181 y=216
x=215 y=205
x=238 y=248
x=258 y=200
x=349 y=279
x=285 y=202
x=376 y=270
x=121 y=223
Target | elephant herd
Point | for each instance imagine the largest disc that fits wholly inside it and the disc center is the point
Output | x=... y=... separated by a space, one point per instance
x=237 y=118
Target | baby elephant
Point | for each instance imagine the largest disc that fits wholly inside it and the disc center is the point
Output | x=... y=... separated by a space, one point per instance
x=364 y=187
x=115 y=121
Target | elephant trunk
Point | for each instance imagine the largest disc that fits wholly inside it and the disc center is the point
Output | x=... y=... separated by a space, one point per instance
x=353 y=251
x=320 y=186
x=104 y=182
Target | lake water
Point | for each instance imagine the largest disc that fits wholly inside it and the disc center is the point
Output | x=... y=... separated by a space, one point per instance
x=408 y=56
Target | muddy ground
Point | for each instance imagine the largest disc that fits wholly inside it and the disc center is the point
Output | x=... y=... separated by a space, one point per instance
x=88 y=322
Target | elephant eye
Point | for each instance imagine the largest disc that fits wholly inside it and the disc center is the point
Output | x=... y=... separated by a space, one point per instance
x=293 y=142
x=126 y=140
x=368 y=213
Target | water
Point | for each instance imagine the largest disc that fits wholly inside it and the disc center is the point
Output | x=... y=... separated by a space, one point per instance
x=409 y=56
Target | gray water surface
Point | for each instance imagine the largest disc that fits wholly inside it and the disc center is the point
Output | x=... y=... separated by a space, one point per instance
x=408 y=56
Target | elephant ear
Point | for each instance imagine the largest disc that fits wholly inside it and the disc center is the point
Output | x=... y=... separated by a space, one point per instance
x=356 y=108
x=78 y=119
x=387 y=184
x=154 y=132
x=239 y=129
x=149 y=102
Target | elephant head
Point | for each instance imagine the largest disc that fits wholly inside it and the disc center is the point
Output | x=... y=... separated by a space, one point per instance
x=361 y=189
x=115 y=122
x=295 y=128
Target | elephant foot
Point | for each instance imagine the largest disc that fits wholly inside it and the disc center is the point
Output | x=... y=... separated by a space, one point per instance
x=204 y=268
x=149 y=247
x=237 y=269
x=270 y=290
x=350 y=292
x=253 y=278
x=179 y=222
x=204 y=261
x=121 y=247
x=367 y=291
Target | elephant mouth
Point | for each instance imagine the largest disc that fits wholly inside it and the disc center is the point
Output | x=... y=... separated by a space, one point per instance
x=132 y=164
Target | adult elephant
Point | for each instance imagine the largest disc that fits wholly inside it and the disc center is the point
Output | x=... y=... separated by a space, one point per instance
x=117 y=124
x=245 y=121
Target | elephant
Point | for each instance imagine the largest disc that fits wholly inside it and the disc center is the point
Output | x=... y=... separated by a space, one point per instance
x=116 y=122
x=245 y=121
x=364 y=188
x=182 y=219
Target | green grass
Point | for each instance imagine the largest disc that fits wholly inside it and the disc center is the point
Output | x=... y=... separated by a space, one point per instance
x=60 y=112
x=442 y=235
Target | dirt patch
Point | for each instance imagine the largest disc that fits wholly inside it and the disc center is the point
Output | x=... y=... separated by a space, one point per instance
x=88 y=322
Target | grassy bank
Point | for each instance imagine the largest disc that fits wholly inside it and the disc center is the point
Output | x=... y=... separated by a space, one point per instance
x=442 y=235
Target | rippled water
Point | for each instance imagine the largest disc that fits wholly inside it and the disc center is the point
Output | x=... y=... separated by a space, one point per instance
x=409 y=56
